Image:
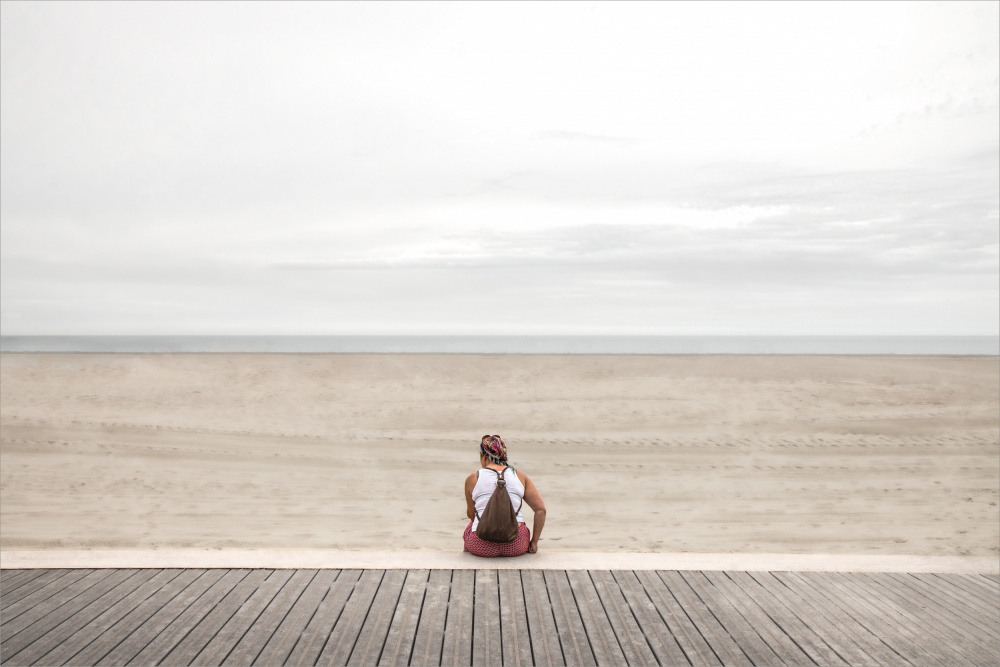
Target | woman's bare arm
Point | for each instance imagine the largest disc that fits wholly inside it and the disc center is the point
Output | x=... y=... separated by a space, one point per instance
x=470 y=507
x=537 y=505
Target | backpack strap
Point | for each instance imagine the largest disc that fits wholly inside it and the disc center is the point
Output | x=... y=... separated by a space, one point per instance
x=499 y=477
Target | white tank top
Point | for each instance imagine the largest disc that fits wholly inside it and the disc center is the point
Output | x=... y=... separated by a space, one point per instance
x=487 y=484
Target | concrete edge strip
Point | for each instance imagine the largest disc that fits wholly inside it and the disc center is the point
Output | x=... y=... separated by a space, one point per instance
x=449 y=560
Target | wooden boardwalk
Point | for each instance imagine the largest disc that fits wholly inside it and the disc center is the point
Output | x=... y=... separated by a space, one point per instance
x=490 y=617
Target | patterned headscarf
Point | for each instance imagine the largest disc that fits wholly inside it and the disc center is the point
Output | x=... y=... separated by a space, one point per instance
x=493 y=448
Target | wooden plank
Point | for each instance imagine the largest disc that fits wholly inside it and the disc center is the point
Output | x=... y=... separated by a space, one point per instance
x=983 y=579
x=375 y=629
x=30 y=614
x=937 y=620
x=41 y=579
x=345 y=633
x=545 y=645
x=144 y=623
x=515 y=641
x=603 y=641
x=928 y=634
x=993 y=577
x=723 y=644
x=486 y=620
x=259 y=633
x=661 y=641
x=457 y=643
x=697 y=651
x=9 y=576
x=249 y=646
x=429 y=639
x=925 y=618
x=10 y=580
x=757 y=616
x=38 y=590
x=242 y=617
x=816 y=619
x=884 y=620
x=288 y=632
x=751 y=643
x=952 y=588
x=948 y=604
x=927 y=608
x=804 y=637
x=973 y=600
x=211 y=619
x=872 y=617
x=576 y=645
x=403 y=629
x=320 y=626
x=987 y=593
x=79 y=616
x=990 y=588
x=630 y=637
x=99 y=637
x=187 y=620
x=864 y=638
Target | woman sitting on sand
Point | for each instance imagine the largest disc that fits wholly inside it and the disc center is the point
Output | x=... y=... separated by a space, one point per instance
x=479 y=486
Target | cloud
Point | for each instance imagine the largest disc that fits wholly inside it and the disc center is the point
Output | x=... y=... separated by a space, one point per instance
x=649 y=167
x=565 y=135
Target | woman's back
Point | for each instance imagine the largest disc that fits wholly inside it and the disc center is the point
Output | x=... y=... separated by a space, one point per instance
x=486 y=484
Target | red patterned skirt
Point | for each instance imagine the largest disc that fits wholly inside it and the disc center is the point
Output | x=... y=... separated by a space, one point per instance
x=478 y=547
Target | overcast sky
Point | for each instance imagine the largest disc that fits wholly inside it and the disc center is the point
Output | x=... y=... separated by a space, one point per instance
x=521 y=168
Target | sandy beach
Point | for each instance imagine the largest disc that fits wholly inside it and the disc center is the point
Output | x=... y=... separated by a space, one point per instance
x=729 y=454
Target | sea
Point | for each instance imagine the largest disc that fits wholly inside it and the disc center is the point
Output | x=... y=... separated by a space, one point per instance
x=863 y=345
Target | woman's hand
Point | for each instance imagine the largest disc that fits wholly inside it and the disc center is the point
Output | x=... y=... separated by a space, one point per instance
x=532 y=546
